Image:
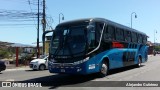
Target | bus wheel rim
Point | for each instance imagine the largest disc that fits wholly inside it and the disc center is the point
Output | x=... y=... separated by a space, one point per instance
x=139 y=62
x=104 y=69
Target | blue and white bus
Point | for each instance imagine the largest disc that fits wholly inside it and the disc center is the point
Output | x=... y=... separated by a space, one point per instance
x=95 y=45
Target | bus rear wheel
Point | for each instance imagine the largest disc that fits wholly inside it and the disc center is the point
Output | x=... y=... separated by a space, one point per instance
x=104 y=69
x=139 y=62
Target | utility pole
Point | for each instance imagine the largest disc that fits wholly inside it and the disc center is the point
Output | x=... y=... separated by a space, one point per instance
x=44 y=16
x=44 y=23
x=38 y=32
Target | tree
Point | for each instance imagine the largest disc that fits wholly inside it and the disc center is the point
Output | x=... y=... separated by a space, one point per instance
x=157 y=48
x=4 y=53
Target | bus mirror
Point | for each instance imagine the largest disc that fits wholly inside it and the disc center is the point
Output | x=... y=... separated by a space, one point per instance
x=90 y=27
x=64 y=32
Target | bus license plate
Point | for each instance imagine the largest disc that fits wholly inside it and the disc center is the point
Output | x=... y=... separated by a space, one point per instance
x=62 y=70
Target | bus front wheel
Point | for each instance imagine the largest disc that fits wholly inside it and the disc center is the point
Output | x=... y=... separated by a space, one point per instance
x=104 y=69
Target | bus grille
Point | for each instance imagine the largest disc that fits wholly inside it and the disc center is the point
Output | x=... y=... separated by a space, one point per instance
x=68 y=60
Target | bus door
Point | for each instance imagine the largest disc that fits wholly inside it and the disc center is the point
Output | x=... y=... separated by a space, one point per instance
x=128 y=55
x=131 y=54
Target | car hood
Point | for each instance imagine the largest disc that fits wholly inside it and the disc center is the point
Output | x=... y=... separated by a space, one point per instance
x=35 y=60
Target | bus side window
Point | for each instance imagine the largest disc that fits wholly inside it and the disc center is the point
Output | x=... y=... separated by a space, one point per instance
x=109 y=33
x=127 y=36
x=139 y=38
x=99 y=27
x=144 y=39
x=134 y=37
x=119 y=34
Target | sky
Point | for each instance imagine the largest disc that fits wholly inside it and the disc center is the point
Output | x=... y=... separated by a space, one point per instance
x=147 y=21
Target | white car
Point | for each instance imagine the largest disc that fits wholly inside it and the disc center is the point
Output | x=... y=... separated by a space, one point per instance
x=39 y=64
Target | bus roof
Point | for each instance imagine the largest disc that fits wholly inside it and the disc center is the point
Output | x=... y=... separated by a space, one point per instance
x=104 y=21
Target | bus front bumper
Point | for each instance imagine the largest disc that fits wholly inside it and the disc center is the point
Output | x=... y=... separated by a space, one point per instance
x=83 y=69
x=67 y=70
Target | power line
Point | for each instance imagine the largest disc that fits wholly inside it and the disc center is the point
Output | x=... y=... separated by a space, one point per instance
x=21 y=1
x=18 y=14
x=17 y=20
x=15 y=24
x=31 y=10
x=49 y=20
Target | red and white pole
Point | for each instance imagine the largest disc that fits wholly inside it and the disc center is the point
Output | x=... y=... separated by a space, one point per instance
x=17 y=56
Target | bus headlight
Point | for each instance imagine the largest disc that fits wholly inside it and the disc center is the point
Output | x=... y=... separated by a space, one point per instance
x=81 y=61
x=78 y=70
x=52 y=60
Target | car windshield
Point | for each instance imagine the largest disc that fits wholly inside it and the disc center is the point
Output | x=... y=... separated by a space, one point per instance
x=69 y=40
x=43 y=57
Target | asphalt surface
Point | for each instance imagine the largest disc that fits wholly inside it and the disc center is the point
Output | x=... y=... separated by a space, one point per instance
x=116 y=80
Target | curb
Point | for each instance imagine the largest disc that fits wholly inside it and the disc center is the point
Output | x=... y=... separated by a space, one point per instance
x=18 y=68
x=150 y=55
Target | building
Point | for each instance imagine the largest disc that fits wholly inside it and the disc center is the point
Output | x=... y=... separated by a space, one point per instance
x=47 y=44
x=23 y=48
x=151 y=47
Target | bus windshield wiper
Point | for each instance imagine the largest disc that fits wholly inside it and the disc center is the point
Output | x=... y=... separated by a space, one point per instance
x=59 y=47
x=70 y=51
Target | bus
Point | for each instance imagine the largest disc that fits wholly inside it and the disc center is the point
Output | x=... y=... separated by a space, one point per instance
x=95 y=45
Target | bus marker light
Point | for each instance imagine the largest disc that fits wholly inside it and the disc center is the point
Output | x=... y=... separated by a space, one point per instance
x=92 y=66
x=66 y=67
x=77 y=67
x=78 y=70
x=62 y=70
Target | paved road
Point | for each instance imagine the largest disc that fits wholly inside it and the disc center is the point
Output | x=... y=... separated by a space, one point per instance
x=150 y=71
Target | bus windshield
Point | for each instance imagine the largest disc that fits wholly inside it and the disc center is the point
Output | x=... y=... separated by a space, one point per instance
x=69 y=41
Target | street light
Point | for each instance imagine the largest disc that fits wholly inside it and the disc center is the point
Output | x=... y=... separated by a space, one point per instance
x=154 y=36
x=60 y=17
x=134 y=16
x=155 y=31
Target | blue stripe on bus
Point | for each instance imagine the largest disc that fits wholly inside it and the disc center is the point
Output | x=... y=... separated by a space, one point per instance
x=115 y=56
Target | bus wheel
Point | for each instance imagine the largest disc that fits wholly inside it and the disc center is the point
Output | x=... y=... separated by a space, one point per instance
x=104 y=69
x=139 y=62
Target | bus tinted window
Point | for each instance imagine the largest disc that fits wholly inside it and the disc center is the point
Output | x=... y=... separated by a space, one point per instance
x=127 y=35
x=109 y=33
x=134 y=37
x=139 y=38
x=144 y=39
x=119 y=34
x=99 y=27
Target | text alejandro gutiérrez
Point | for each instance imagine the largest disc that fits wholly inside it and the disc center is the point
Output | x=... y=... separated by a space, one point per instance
x=142 y=84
